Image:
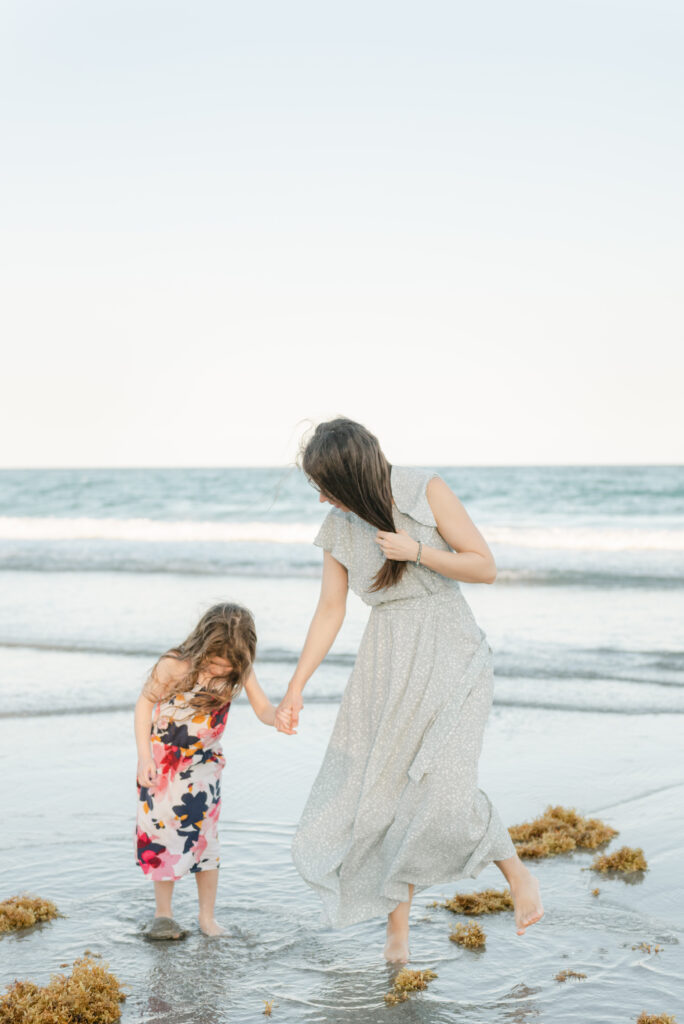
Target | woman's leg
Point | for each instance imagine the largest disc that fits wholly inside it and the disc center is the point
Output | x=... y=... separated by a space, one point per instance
x=163 y=895
x=207 y=884
x=524 y=892
x=396 y=947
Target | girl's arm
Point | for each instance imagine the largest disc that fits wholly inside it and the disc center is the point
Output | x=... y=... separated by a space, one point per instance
x=325 y=625
x=471 y=561
x=147 y=769
x=261 y=705
x=157 y=685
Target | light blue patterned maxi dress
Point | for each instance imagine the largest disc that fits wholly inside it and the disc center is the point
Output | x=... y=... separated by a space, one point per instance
x=396 y=799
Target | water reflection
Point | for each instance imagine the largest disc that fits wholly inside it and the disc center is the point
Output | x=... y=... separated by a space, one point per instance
x=186 y=983
x=526 y=1008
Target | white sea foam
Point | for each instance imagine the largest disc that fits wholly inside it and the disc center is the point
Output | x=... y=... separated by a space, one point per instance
x=586 y=538
x=574 y=538
x=153 y=530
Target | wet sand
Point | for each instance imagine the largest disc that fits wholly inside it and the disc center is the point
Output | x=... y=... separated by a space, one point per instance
x=69 y=801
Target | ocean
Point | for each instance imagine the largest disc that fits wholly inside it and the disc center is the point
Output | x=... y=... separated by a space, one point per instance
x=104 y=569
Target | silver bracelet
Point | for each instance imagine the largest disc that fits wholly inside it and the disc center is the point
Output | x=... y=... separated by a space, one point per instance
x=420 y=551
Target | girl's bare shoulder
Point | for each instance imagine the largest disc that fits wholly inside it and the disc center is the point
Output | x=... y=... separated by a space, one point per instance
x=165 y=676
x=171 y=669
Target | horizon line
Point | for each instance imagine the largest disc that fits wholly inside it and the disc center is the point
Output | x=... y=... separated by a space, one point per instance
x=427 y=465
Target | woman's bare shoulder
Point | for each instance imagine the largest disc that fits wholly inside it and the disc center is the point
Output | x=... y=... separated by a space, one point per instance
x=439 y=489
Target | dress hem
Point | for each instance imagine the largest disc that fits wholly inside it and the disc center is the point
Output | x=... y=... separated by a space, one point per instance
x=385 y=904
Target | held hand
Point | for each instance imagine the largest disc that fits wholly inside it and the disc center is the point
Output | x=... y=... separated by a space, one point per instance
x=399 y=546
x=147 y=771
x=283 y=721
x=287 y=712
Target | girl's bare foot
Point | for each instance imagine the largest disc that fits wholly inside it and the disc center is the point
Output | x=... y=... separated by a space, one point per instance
x=526 y=899
x=396 y=947
x=210 y=926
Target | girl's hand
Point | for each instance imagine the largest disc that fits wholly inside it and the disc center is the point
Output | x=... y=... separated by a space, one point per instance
x=269 y=716
x=399 y=546
x=147 y=771
x=287 y=712
x=283 y=722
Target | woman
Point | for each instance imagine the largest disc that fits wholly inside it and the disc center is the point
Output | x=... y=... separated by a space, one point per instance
x=395 y=807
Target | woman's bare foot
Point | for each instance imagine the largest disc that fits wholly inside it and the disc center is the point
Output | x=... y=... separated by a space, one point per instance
x=211 y=927
x=524 y=892
x=526 y=899
x=396 y=947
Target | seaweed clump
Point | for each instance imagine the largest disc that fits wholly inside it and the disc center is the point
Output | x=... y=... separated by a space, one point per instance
x=559 y=830
x=646 y=947
x=469 y=935
x=89 y=995
x=564 y=975
x=625 y=859
x=649 y=1018
x=268 y=1007
x=24 y=911
x=489 y=901
x=408 y=981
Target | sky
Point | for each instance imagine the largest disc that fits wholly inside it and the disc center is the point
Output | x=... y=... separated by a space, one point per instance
x=458 y=223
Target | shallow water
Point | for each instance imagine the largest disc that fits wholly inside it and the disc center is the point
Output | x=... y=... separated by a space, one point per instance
x=76 y=771
x=85 y=640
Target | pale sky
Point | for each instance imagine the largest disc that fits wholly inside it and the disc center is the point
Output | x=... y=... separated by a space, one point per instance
x=459 y=223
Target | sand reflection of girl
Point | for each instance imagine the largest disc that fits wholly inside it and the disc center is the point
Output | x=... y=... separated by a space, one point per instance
x=395 y=807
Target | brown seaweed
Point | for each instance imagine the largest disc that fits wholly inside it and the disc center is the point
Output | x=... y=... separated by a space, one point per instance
x=564 y=975
x=268 y=1007
x=89 y=995
x=559 y=830
x=625 y=859
x=488 y=901
x=469 y=935
x=408 y=981
x=24 y=911
x=595 y=892
x=646 y=947
x=649 y=1018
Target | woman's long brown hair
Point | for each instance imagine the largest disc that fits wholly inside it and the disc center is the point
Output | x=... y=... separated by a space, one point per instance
x=345 y=462
x=224 y=631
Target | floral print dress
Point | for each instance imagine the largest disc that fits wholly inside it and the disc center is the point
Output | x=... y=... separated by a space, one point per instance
x=177 y=819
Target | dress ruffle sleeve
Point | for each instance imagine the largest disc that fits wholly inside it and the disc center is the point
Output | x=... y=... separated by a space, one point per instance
x=409 y=493
x=335 y=536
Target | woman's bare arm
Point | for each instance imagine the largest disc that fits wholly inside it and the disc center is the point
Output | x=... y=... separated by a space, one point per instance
x=324 y=627
x=471 y=560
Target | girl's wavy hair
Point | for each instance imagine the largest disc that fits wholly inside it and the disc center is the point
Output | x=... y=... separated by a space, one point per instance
x=224 y=631
x=344 y=461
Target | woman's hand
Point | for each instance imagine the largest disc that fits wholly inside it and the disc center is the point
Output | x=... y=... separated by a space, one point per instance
x=399 y=546
x=147 y=770
x=287 y=712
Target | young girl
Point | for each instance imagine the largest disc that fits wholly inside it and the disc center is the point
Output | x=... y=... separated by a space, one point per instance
x=179 y=718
